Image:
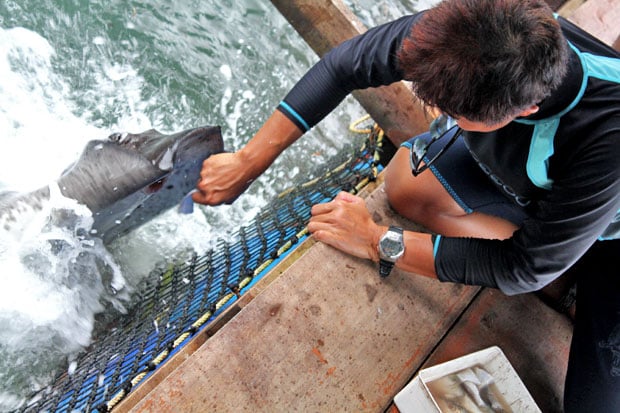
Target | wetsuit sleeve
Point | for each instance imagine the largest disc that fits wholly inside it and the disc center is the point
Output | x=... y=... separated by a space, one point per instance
x=367 y=60
x=566 y=222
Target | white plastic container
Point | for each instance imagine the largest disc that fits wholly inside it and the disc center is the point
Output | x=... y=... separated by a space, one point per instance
x=483 y=381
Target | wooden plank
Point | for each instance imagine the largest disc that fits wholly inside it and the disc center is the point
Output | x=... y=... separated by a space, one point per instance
x=323 y=24
x=534 y=338
x=556 y=4
x=327 y=335
x=598 y=17
x=202 y=336
x=569 y=7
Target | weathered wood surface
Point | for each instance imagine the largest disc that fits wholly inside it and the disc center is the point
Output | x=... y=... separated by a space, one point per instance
x=327 y=335
x=199 y=339
x=599 y=17
x=324 y=24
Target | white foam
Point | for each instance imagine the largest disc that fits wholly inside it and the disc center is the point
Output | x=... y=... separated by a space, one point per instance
x=54 y=279
x=34 y=115
x=226 y=71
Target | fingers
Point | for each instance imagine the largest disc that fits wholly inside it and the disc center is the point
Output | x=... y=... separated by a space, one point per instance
x=320 y=209
x=346 y=224
x=203 y=195
x=348 y=197
x=338 y=215
x=208 y=198
x=223 y=178
x=327 y=207
x=207 y=195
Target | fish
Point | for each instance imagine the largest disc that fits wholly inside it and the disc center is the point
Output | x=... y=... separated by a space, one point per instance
x=125 y=180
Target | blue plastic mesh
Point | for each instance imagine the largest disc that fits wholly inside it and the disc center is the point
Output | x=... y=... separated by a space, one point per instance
x=179 y=300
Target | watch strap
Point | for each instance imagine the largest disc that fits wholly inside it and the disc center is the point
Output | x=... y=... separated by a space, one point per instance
x=386 y=265
x=394 y=228
x=385 y=268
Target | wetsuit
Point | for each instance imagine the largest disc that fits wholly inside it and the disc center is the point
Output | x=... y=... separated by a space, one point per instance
x=556 y=174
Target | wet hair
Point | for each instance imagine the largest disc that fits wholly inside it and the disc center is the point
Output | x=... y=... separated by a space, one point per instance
x=485 y=60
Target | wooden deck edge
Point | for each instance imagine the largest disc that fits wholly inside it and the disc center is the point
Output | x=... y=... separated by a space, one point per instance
x=186 y=351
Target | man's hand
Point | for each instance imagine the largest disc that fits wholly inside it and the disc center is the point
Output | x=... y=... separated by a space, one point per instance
x=346 y=224
x=223 y=178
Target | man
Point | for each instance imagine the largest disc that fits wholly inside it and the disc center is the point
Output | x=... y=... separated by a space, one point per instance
x=523 y=179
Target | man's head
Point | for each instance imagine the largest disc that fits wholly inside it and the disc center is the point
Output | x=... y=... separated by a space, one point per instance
x=485 y=60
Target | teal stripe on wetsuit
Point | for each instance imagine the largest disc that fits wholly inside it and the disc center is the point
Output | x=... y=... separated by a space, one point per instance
x=296 y=115
x=541 y=147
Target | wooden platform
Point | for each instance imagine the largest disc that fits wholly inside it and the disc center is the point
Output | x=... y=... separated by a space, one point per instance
x=329 y=335
x=323 y=333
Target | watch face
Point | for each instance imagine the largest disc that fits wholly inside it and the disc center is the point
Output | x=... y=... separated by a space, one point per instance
x=391 y=247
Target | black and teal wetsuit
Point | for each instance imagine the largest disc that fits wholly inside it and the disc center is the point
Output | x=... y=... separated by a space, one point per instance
x=557 y=173
x=566 y=177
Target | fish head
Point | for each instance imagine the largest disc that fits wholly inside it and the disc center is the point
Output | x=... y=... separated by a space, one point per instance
x=128 y=179
x=169 y=151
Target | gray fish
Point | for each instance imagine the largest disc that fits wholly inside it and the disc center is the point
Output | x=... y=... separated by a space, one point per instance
x=127 y=179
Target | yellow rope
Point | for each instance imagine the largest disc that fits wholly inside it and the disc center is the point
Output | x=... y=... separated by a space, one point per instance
x=353 y=126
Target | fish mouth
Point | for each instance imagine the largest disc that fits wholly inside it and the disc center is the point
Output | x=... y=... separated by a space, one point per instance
x=155 y=186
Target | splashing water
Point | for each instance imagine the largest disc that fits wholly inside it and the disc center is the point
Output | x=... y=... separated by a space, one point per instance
x=56 y=278
x=72 y=72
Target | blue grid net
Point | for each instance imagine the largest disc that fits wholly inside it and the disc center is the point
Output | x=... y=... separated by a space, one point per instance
x=180 y=300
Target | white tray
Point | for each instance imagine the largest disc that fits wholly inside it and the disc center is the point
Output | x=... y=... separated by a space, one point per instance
x=419 y=397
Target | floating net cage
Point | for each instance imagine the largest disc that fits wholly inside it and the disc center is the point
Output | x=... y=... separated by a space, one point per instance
x=180 y=300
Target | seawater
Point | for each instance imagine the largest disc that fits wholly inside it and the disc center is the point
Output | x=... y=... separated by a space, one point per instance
x=76 y=70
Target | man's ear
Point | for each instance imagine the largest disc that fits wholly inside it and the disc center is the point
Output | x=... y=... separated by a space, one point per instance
x=529 y=111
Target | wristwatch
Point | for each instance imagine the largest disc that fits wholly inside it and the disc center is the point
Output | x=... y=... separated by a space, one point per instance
x=391 y=248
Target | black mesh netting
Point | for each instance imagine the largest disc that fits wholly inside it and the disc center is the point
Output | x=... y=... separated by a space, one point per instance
x=178 y=300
